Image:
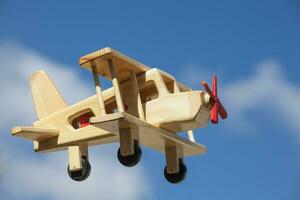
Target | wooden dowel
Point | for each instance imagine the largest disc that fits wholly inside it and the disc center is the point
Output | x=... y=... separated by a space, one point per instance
x=137 y=95
x=116 y=86
x=98 y=89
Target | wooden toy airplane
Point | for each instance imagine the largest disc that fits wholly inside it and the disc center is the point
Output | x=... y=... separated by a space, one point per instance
x=144 y=106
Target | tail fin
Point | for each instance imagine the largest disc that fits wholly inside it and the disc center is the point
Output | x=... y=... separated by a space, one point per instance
x=46 y=98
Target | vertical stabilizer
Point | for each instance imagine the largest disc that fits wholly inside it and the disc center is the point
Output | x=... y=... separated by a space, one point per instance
x=47 y=99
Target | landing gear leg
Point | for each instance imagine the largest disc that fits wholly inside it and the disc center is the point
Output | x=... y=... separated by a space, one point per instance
x=175 y=170
x=79 y=167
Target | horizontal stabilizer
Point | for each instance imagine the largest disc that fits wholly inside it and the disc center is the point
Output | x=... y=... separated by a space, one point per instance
x=35 y=134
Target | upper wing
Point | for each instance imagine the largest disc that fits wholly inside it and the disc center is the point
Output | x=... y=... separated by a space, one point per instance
x=122 y=64
x=35 y=134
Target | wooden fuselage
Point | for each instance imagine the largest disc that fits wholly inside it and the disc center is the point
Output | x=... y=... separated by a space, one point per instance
x=175 y=112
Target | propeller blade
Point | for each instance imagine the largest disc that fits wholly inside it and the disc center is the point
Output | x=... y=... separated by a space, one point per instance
x=222 y=111
x=214 y=86
x=207 y=89
x=214 y=114
x=215 y=109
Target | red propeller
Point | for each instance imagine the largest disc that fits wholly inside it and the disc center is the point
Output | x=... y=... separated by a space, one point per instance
x=217 y=108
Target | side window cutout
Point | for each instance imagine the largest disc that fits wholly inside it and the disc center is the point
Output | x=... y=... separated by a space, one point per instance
x=82 y=120
x=149 y=92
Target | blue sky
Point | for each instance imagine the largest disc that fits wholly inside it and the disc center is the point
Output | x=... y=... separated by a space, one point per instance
x=253 y=47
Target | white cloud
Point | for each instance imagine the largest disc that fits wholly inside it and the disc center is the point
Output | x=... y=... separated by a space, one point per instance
x=29 y=176
x=268 y=90
x=17 y=63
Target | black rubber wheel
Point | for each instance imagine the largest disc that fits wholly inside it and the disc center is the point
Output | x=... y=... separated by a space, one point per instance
x=82 y=174
x=177 y=177
x=132 y=160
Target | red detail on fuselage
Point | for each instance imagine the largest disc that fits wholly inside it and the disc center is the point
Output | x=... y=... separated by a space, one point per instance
x=84 y=120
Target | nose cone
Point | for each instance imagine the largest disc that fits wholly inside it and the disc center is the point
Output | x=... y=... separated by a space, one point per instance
x=207 y=100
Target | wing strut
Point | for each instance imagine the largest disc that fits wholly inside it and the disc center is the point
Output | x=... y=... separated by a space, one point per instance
x=126 y=137
x=98 y=88
x=191 y=135
x=116 y=86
